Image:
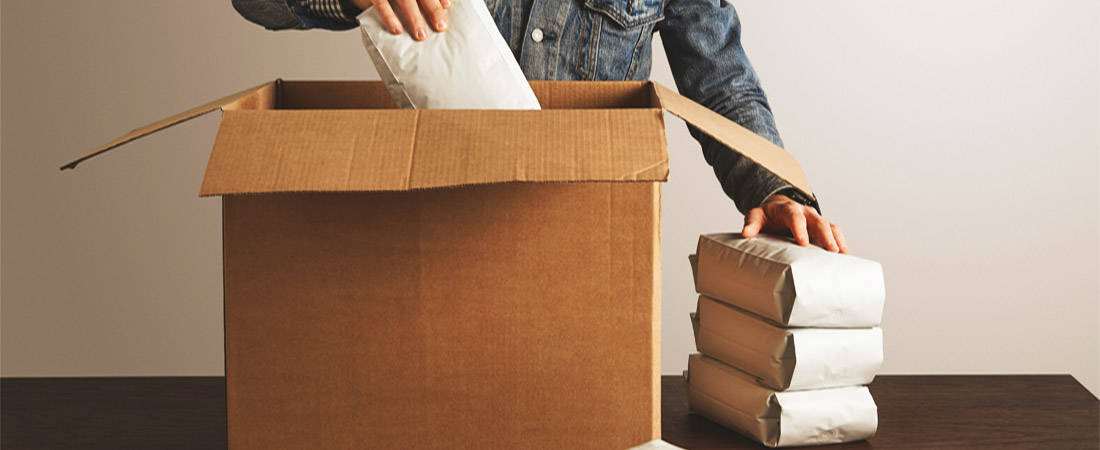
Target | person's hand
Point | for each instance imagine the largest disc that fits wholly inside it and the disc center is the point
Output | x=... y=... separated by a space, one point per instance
x=416 y=15
x=781 y=215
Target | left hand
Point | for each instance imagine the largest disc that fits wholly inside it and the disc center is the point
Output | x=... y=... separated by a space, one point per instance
x=781 y=215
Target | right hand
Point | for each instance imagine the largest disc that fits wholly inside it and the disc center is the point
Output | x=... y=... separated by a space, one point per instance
x=781 y=215
x=416 y=15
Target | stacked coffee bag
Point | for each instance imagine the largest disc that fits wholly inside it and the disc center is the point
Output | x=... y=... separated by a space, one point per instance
x=788 y=337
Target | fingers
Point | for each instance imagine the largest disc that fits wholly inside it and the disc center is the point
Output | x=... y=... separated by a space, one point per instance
x=795 y=218
x=839 y=238
x=822 y=232
x=389 y=18
x=415 y=14
x=410 y=13
x=803 y=223
x=753 y=222
x=435 y=13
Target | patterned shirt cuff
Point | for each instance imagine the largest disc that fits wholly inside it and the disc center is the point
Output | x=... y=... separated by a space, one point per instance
x=335 y=10
x=798 y=196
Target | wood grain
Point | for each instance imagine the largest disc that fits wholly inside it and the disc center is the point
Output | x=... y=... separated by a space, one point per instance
x=942 y=412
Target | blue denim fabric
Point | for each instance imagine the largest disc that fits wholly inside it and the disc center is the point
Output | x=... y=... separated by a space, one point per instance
x=612 y=40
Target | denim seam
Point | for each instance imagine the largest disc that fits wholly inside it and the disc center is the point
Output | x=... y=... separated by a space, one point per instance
x=582 y=58
x=555 y=55
x=633 y=66
x=597 y=28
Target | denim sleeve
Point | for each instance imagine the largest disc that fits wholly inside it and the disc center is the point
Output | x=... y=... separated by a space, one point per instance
x=702 y=39
x=278 y=15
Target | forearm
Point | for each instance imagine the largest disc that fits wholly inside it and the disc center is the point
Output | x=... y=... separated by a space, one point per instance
x=702 y=39
x=299 y=14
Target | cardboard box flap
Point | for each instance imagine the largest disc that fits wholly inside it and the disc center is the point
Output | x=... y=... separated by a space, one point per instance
x=333 y=136
x=228 y=102
x=268 y=151
x=752 y=146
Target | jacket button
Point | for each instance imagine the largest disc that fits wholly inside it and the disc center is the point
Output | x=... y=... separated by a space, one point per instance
x=536 y=35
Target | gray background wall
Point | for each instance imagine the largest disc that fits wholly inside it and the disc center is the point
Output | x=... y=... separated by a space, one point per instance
x=955 y=141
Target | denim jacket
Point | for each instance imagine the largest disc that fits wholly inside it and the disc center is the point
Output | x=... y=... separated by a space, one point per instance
x=611 y=40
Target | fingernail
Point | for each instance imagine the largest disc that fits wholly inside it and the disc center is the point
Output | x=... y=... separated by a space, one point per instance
x=445 y=3
x=441 y=25
x=421 y=34
x=395 y=29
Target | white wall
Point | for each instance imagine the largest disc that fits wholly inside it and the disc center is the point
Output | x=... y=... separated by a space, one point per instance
x=956 y=142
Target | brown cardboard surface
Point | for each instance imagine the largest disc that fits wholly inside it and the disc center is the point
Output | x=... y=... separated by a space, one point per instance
x=551 y=95
x=295 y=94
x=371 y=150
x=736 y=137
x=586 y=95
x=494 y=316
x=607 y=138
x=257 y=97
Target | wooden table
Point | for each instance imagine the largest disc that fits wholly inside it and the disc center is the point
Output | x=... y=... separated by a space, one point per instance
x=1047 y=411
x=936 y=412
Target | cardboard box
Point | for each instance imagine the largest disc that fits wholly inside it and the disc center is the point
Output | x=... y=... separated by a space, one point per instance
x=790 y=285
x=731 y=398
x=445 y=278
x=786 y=358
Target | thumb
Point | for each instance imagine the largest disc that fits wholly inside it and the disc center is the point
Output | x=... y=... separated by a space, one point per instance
x=753 y=222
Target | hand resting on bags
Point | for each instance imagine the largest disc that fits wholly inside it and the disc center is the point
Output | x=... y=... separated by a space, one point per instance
x=781 y=215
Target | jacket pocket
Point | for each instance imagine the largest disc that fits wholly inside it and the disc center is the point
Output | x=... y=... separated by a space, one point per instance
x=628 y=13
x=616 y=37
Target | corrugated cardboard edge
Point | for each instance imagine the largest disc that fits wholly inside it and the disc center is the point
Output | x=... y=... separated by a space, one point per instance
x=655 y=338
x=227 y=102
x=412 y=159
x=225 y=311
x=740 y=139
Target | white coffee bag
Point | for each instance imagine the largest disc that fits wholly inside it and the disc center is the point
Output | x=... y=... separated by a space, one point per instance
x=469 y=66
x=778 y=419
x=787 y=358
x=656 y=444
x=793 y=286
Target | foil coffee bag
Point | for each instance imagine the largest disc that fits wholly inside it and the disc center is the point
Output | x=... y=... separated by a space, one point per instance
x=790 y=285
x=468 y=66
x=787 y=358
x=778 y=419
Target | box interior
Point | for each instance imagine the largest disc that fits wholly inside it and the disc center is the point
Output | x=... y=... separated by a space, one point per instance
x=372 y=95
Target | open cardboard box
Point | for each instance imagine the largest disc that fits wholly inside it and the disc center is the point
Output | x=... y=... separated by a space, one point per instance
x=445 y=278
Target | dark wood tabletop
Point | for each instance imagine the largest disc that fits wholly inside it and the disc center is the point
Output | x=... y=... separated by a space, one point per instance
x=936 y=412
x=1019 y=411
